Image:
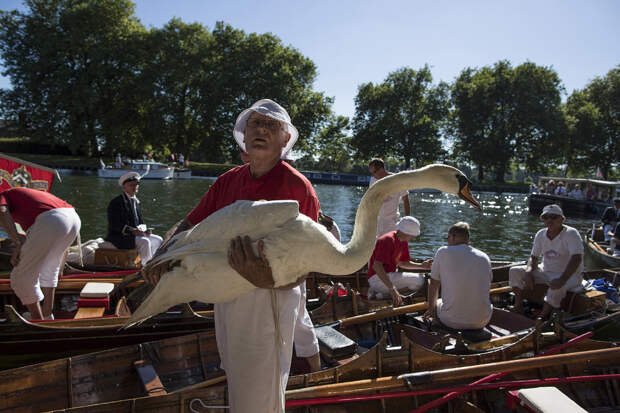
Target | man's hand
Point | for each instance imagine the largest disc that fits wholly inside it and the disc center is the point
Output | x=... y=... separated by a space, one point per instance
x=428 y=264
x=242 y=259
x=397 y=299
x=152 y=275
x=557 y=283
x=137 y=232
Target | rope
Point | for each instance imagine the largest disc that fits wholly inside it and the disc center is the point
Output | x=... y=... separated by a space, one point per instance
x=204 y=406
x=278 y=338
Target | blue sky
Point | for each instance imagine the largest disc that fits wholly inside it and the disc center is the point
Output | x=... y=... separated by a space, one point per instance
x=353 y=42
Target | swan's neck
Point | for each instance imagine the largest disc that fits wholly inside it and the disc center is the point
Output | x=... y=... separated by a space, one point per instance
x=365 y=230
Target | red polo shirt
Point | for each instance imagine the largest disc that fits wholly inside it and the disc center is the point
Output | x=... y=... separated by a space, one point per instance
x=282 y=182
x=25 y=204
x=389 y=250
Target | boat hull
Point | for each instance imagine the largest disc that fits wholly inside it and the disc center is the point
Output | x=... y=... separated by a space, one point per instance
x=575 y=208
x=162 y=173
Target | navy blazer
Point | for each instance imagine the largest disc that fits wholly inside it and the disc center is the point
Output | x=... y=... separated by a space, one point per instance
x=121 y=222
x=611 y=214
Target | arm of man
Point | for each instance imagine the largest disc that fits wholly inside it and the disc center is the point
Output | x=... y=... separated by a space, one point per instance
x=410 y=265
x=406 y=204
x=433 y=295
x=571 y=267
x=7 y=223
x=397 y=299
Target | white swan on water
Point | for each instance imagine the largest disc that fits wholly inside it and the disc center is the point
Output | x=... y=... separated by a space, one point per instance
x=293 y=244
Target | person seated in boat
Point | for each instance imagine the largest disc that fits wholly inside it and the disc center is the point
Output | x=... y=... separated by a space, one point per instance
x=561 y=189
x=614 y=241
x=576 y=192
x=562 y=264
x=126 y=228
x=51 y=225
x=550 y=187
x=590 y=192
x=392 y=252
x=389 y=213
x=255 y=331
x=464 y=275
x=610 y=217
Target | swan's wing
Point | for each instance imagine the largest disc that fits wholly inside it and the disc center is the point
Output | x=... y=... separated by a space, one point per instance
x=241 y=218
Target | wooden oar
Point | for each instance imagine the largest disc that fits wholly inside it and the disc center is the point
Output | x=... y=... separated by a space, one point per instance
x=446 y=375
x=391 y=312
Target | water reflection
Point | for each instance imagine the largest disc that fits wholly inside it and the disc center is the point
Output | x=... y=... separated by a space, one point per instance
x=503 y=229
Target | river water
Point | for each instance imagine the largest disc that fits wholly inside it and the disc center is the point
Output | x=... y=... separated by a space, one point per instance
x=503 y=229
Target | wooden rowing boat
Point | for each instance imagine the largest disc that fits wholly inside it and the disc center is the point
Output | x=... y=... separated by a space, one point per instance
x=598 y=251
x=24 y=342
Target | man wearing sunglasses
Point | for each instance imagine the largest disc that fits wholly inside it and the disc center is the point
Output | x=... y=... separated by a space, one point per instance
x=562 y=263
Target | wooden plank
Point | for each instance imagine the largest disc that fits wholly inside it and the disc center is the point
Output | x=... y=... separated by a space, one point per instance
x=89 y=312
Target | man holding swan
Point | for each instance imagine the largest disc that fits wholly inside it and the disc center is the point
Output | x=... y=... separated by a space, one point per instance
x=246 y=326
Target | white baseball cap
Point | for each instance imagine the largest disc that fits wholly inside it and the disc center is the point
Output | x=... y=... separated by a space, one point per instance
x=269 y=108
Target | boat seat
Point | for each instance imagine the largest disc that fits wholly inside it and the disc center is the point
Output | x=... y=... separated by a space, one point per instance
x=94 y=300
x=150 y=378
x=333 y=343
x=118 y=258
x=542 y=400
x=472 y=336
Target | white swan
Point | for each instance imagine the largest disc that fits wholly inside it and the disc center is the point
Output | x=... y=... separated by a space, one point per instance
x=293 y=243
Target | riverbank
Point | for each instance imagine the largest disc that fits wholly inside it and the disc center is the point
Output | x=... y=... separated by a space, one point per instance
x=80 y=163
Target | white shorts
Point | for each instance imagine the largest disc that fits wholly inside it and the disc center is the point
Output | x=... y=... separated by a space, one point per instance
x=516 y=277
x=41 y=255
x=400 y=280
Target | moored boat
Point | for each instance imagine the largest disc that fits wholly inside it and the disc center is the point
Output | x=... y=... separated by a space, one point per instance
x=598 y=251
x=148 y=170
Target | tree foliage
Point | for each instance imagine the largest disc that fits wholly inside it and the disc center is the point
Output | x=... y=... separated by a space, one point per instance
x=87 y=74
x=400 y=117
x=504 y=114
x=594 y=123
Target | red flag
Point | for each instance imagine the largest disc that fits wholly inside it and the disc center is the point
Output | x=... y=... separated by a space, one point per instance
x=599 y=173
x=15 y=172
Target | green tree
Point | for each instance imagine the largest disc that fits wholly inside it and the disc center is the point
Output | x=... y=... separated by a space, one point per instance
x=333 y=144
x=503 y=114
x=67 y=60
x=401 y=117
x=594 y=124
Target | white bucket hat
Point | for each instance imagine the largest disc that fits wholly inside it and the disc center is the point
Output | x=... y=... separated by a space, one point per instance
x=269 y=108
x=409 y=226
x=129 y=176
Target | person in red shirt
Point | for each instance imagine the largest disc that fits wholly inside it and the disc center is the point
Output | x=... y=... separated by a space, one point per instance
x=51 y=224
x=255 y=331
x=392 y=252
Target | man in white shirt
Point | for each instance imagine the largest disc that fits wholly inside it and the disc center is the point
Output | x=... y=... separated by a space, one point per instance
x=389 y=214
x=464 y=275
x=562 y=264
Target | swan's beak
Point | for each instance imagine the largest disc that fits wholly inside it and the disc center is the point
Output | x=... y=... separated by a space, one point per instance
x=465 y=192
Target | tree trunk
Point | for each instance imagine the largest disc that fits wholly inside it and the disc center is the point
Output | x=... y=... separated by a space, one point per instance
x=480 y=173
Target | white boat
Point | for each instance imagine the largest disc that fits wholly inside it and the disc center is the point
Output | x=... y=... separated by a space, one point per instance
x=148 y=170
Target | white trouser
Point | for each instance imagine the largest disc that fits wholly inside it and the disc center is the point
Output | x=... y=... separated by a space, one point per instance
x=400 y=280
x=306 y=343
x=447 y=319
x=612 y=247
x=516 y=278
x=256 y=360
x=147 y=245
x=41 y=255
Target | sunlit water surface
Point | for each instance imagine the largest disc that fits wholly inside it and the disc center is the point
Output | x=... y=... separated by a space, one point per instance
x=504 y=229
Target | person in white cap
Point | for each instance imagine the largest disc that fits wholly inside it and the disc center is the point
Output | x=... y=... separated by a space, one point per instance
x=392 y=252
x=51 y=224
x=389 y=213
x=255 y=331
x=464 y=275
x=562 y=263
x=126 y=228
